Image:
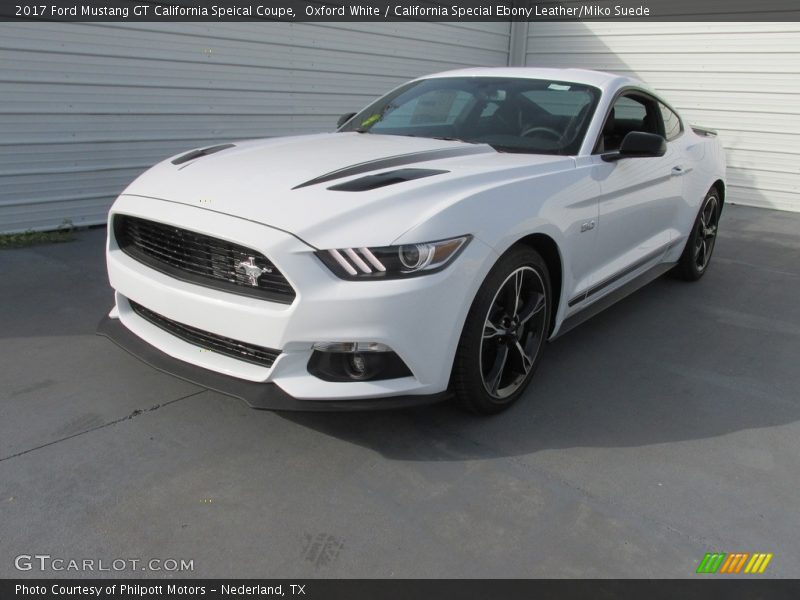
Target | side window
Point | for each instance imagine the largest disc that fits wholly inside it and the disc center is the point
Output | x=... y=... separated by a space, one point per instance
x=672 y=124
x=628 y=109
x=630 y=113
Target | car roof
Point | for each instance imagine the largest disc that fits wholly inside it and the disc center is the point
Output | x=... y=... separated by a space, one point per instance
x=600 y=79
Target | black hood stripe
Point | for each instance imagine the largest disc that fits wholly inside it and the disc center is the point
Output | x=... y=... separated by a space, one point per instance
x=396 y=161
x=202 y=152
x=379 y=180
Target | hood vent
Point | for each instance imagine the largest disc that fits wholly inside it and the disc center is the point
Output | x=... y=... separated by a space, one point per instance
x=399 y=160
x=371 y=182
x=202 y=152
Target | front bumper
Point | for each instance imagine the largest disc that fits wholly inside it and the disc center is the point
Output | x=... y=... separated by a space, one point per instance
x=256 y=395
x=420 y=319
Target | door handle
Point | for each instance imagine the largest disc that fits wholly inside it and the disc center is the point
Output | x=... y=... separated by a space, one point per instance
x=679 y=170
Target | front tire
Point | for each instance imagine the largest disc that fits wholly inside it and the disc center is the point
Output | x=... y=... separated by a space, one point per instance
x=504 y=333
x=696 y=256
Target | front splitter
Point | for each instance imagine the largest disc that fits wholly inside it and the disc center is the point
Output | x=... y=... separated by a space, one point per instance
x=267 y=396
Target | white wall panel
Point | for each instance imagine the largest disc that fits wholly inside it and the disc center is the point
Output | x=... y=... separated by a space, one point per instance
x=84 y=108
x=742 y=79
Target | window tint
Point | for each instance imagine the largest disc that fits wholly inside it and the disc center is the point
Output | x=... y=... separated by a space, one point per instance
x=439 y=107
x=672 y=124
x=564 y=103
x=628 y=109
x=630 y=113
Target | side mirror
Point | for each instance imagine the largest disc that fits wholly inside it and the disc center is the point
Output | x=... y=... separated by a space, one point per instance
x=344 y=119
x=638 y=144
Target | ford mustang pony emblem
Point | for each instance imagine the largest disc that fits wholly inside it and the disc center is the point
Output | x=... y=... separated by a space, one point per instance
x=251 y=270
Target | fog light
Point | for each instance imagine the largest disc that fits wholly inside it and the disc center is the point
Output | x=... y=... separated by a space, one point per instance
x=358 y=366
x=355 y=361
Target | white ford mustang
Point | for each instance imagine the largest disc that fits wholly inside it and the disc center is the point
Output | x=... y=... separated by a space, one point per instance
x=427 y=249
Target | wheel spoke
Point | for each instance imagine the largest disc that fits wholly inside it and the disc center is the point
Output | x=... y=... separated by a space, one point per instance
x=490 y=330
x=496 y=374
x=709 y=248
x=708 y=213
x=508 y=294
x=518 y=279
x=532 y=309
x=702 y=254
x=527 y=361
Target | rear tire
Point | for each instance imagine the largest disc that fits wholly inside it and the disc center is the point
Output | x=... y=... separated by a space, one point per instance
x=696 y=256
x=504 y=333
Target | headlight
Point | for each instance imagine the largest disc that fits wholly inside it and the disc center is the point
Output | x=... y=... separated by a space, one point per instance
x=392 y=262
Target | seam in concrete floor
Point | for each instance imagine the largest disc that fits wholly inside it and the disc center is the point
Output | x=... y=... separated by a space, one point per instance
x=132 y=415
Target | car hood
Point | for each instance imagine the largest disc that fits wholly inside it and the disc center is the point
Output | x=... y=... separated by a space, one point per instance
x=286 y=182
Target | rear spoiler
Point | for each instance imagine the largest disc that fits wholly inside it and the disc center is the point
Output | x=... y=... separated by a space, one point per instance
x=703 y=131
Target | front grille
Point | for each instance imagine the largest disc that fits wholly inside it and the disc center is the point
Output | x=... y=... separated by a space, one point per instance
x=258 y=355
x=201 y=259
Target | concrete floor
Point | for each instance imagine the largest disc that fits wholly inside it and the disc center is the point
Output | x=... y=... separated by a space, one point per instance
x=662 y=429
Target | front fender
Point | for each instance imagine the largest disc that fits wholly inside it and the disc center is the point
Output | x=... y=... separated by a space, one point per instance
x=554 y=204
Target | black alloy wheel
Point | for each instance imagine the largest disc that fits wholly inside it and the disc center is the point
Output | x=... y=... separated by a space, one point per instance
x=696 y=257
x=504 y=334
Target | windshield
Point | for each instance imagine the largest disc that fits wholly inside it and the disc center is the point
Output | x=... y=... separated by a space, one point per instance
x=510 y=114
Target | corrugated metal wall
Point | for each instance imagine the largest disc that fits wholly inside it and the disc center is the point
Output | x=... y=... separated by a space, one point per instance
x=742 y=79
x=85 y=108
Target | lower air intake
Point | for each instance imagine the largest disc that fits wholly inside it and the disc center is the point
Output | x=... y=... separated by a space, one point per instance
x=257 y=355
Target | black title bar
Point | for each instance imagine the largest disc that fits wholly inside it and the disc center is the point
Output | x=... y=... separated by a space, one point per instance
x=385 y=589
x=400 y=10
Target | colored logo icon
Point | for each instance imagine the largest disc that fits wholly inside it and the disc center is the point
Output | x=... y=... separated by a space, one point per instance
x=735 y=562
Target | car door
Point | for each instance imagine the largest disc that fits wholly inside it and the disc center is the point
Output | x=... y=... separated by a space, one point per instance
x=639 y=197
